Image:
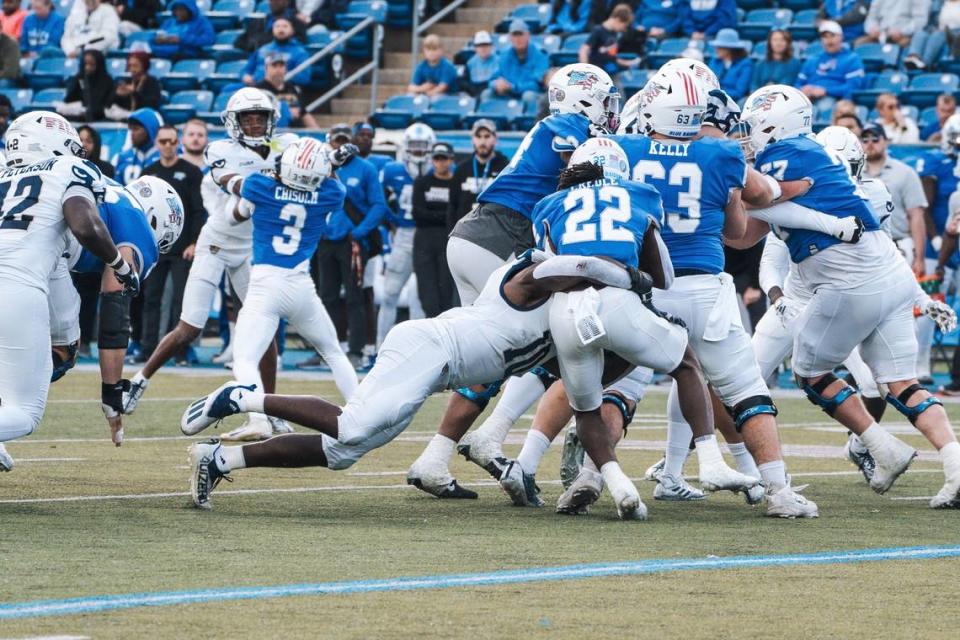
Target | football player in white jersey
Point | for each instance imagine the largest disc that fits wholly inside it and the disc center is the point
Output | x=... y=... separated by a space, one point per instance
x=46 y=189
x=505 y=332
x=223 y=246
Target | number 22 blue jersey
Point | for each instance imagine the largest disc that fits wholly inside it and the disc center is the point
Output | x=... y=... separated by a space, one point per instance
x=287 y=223
x=603 y=218
x=128 y=227
x=695 y=180
x=833 y=191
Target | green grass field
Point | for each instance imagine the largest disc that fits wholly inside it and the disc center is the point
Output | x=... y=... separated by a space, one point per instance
x=60 y=539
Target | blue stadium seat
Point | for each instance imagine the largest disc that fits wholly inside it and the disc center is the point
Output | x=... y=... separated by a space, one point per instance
x=226 y=14
x=445 y=112
x=885 y=82
x=19 y=98
x=160 y=67
x=185 y=104
x=548 y=43
x=117 y=67
x=51 y=72
x=227 y=73
x=501 y=42
x=812 y=50
x=26 y=66
x=793 y=5
x=569 y=49
x=45 y=99
x=668 y=50
x=141 y=38
x=188 y=74
x=399 y=112
x=927 y=117
x=632 y=80
x=760 y=22
x=804 y=26
x=925 y=88
x=877 y=56
x=223 y=49
x=219 y=104
x=537 y=17
x=501 y=111
x=360 y=45
x=400 y=13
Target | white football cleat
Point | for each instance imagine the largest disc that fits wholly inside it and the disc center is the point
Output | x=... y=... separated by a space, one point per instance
x=213 y=408
x=583 y=492
x=672 y=489
x=720 y=477
x=252 y=430
x=629 y=505
x=655 y=470
x=483 y=451
x=6 y=460
x=131 y=397
x=754 y=495
x=787 y=503
x=205 y=472
x=520 y=486
x=891 y=461
x=949 y=495
x=860 y=456
x=279 y=426
x=436 y=480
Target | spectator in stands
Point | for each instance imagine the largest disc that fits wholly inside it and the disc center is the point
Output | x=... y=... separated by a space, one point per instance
x=92 y=24
x=895 y=21
x=6 y=113
x=363 y=135
x=842 y=108
x=185 y=178
x=322 y=11
x=661 y=18
x=834 y=73
x=482 y=65
x=12 y=16
x=927 y=46
x=569 y=17
x=92 y=145
x=185 y=34
x=732 y=63
x=611 y=38
x=194 y=142
x=434 y=75
x=259 y=32
x=140 y=90
x=849 y=14
x=42 y=29
x=520 y=69
x=850 y=121
x=288 y=94
x=431 y=201
x=704 y=18
x=90 y=92
x=9 y=59
x=946 y=107
x=283 y=43
x=142 y=125
x=137 y=15
x=778 y=65
x=899 y=127
x=473 y=176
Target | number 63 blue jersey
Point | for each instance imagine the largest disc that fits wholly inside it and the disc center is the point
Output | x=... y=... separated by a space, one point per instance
x=605 y=218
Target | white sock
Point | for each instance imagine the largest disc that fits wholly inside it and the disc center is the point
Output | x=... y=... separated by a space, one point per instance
x=617 y=481
x=679 y=435
x=250 y=401
x=496 y=426
x=518 y=395
x=589 y=464
x=875 y=438
x=534 y=448
x=231 y=458
x=950 y=454
x=856 y=444
x=744 y=461
x=708 y=451
x=439 y=450
x=774 y=475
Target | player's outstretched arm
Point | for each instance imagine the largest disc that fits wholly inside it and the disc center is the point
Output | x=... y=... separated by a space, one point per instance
x=735 y=220
x=83 y=219
x=112 y=341
x=794 y=216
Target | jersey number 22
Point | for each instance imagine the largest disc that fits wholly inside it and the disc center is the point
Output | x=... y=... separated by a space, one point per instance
x=581 y=207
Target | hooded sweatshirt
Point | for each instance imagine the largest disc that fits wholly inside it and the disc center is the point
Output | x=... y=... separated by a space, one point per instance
x=292 y=51
x=131 y=161
x=99 y=29
x=840 y=74
x=195 y=34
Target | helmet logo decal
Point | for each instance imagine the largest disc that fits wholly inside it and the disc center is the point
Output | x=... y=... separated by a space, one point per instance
x=585 y=79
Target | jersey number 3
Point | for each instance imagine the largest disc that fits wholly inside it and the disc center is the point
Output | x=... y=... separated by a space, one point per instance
x=288 y=243
x=581 y=207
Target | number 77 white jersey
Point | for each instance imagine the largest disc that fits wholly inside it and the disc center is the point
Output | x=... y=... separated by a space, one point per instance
x=695 y=180
x=33 y=231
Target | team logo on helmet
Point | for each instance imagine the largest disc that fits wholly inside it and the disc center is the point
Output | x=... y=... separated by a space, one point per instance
x=763 y=102
x=585 y=79
x=145 y=191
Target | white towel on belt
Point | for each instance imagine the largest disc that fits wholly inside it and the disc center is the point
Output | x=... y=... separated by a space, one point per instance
x=585 y=306
x=725 y=312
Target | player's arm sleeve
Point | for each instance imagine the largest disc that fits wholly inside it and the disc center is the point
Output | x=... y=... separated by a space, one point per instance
x=774 y=264
x=795 y=216
x=376 y=205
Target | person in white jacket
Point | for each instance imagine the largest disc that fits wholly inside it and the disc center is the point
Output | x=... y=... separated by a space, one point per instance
x=895 y=21
x=927 y=46
x=91 y=24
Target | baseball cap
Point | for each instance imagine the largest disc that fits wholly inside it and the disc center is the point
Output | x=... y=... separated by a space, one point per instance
x=442 y=149
x=482 y=37
x=341 y=129
x=873 y=129
x=519 y=26
x=364 y=126
x=829 y=26
x=484 y=123
x=275 y=57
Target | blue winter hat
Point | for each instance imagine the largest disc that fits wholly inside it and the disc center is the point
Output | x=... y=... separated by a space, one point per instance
x=730 y=39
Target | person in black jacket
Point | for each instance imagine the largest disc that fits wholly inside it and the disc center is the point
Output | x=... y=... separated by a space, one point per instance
x=90 y=91
x=136 y=15
x=431 y=201
x=185 y=178
x=473 y=176
x=138 y=91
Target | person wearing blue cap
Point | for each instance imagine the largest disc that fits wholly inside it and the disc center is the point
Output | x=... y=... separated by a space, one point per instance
x=732 y=63
x=521 y=69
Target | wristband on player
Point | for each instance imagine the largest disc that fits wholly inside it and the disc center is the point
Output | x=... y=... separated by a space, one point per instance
x=233 y=182
x=774 y=187
x=120 y=265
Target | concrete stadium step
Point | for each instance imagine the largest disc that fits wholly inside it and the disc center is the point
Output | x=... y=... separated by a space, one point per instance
x=384 y=91
x=350 y=106
x=452 y=44
x=506 y=5
x=460 y=29
x=397 y=60
x=395 y=76
x=486 y=14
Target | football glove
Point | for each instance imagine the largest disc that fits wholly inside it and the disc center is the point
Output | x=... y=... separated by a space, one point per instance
x=341 y=155
x=722 y=111
x=787 y=311
x=640 y=283
x=848 y=230
x=942 y=314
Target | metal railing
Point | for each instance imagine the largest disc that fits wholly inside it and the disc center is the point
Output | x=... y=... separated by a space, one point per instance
x=434 y=19
x=371 y=67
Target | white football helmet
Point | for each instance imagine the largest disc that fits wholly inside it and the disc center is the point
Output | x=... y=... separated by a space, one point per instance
x=587 y=90
x=161 y=205
x=40 y=135
x=606 y=154
x=250 y=99
x=845 y=145
x=672 y=104
x=774 y=113
x=304 y=165
x=950 y=135
x=701 y=72
x=415 y=148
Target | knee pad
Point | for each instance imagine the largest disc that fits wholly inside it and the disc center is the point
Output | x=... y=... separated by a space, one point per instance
x=752 y=406
x=546 y=378
x=64 y=358
x=815 y=393
x=614 y=398
x=900 y=402
x=482 y=398
x=114 y=321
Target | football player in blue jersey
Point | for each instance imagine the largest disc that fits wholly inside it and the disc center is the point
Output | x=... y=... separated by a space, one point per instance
x=584 y=103
x=288 y=210
x=145 y=218
x=863 y=293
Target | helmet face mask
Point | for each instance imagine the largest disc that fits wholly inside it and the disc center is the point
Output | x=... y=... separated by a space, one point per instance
x=415 y=149
x=846 y=146
x=775 y=113
x=586 y=90
x=950 y=136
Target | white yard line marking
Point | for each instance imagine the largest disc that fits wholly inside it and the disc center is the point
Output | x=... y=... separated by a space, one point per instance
x=50 y=638
x=20 y=460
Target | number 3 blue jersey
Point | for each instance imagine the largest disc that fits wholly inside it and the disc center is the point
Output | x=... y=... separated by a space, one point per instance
x=833 y=191
x=287 y=223
x=695 y=180
x=128 y=227
x=535 y=168
x=599 y=219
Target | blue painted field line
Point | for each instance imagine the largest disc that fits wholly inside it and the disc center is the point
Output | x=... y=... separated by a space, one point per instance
x=96 y=604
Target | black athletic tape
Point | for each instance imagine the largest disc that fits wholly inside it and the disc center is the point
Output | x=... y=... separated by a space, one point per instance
x=114 y=321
